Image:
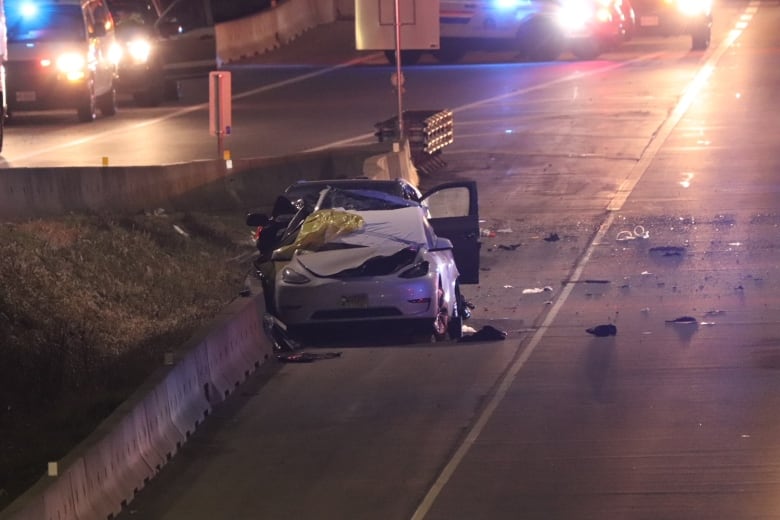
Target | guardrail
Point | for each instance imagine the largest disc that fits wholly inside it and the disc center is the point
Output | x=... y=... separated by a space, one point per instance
x=428 y=132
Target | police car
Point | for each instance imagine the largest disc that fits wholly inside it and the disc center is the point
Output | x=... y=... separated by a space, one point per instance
x=676 y=17
x=537 y=30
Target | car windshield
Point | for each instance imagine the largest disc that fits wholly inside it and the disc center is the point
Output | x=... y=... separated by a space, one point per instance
x=132 y=14
x=361 y=200
x=30 y=23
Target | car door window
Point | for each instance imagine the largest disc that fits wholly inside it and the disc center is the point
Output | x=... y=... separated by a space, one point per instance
x=454 y=202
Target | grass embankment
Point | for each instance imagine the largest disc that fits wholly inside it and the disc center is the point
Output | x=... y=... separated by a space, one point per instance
x=88 y=306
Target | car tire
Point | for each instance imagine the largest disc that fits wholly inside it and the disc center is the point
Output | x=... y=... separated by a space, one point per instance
x=172 y=90
x=449 y=54
x=700 y=39
x=87 y=111
x=441 y=322
x=106 y=103
x=540 y=40
x=455 y=325
x=407 y=57
x=586 y=48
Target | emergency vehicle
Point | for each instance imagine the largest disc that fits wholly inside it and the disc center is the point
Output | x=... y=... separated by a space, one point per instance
x=537 y=30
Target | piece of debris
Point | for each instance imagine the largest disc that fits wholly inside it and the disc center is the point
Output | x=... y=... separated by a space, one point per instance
x=715 y=312
x=603 y=331
x=484 y=232
x=537 y=290
x=504 y=230
x=245 y=292
x=667 y=251
x=307 y=357
x=552 y=237
x=683 y=320
x=510 y=247
x=468 y=329
x=486 y=333
x=180 y=231
x=637 y=232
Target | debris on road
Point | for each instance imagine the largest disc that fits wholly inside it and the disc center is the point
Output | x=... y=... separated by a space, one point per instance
x=307 y=357
x=510 y=247
x=537 y=290
x=637 y=232
x=552 y=237
x=667 y=251
x=683 y=320
x=603 y=331
x=486 y=333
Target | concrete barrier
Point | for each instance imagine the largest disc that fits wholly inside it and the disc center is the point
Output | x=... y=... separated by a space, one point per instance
x=103 y=473
x=197 y=186
x=262 y=32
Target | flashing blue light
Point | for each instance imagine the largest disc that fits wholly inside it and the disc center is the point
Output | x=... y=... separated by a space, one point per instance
x=29 y=10
x=506 y=4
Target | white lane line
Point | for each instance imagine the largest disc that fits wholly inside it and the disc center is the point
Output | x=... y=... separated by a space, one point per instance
x=690 y=95
x=509 y=378
x=508 y=95
x=187 y=110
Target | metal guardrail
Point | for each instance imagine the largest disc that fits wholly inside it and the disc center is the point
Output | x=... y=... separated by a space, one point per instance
x=428 y=132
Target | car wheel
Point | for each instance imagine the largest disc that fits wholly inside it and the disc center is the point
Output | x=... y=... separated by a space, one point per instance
x=540 y=40
x=586 y=48
x=107 y=102
x=87 y=111
x=700 y=39
x=407 y=57
x=442 y=321
x=455 y=326
x=449 y=54
x=172 y=90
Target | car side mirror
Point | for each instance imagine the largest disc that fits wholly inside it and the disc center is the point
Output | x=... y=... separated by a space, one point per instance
x=257 y=219
x=442 y=244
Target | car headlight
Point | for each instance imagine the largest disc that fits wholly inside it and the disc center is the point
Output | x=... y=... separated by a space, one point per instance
x=417 y=270
x=73 y=65
x=574 y=15
x=694 y=7
x=139 y=50
x=292 y=276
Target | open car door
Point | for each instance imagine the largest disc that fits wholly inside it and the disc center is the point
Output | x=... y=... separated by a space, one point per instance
x=454 y=211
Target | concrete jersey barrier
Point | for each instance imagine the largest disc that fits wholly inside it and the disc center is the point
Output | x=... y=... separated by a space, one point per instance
x=130 y=447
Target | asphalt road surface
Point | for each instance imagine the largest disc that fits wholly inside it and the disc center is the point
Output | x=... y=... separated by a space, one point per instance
x=655 y=168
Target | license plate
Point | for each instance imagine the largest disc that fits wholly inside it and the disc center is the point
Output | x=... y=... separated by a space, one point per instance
x=648 y=21
x=25 y=96
x=355 y=301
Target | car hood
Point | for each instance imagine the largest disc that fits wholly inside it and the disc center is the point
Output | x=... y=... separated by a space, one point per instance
x=367 y=261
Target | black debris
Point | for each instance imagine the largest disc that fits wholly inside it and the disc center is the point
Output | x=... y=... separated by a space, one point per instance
x=486 y=333
x=667 y=251
x=603 y=331
x=683 y=319
x=245 y=292
x=552 y=237
x=510 y=247
x=307 y=357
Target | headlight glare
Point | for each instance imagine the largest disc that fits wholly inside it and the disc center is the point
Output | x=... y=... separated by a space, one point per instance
x=139 y=50
x=73 y=65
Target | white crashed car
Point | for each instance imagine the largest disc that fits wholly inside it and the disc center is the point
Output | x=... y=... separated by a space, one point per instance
x=390 y=261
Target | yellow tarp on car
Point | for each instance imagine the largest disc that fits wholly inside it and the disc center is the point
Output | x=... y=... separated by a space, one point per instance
x=322 y=227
